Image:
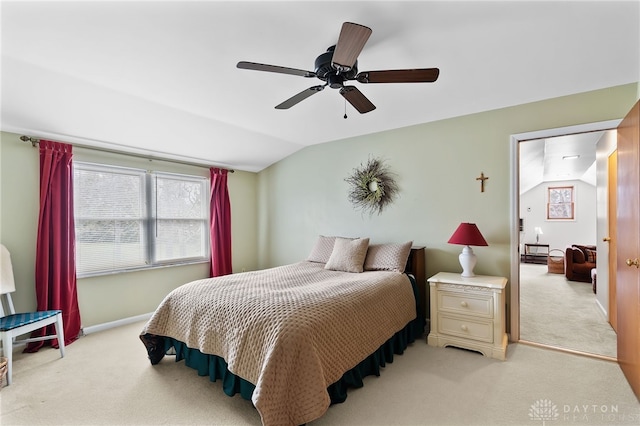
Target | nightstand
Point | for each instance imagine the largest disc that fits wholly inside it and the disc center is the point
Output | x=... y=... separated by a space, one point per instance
x=468 y=313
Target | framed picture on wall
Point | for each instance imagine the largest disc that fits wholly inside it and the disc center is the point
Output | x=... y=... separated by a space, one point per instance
x=561 y=203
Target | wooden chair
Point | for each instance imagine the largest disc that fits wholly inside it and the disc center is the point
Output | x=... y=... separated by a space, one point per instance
x=14 y=325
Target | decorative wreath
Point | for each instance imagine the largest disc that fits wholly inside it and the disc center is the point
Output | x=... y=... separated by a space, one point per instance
x=372 y=186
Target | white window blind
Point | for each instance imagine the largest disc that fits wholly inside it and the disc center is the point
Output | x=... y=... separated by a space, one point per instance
x=181 y=227
x=129 y=219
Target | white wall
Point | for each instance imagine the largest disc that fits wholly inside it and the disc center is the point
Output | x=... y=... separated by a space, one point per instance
x=606 y=145
x=559 y=234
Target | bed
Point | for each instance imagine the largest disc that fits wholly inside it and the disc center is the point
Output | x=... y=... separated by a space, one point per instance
x=293 y=338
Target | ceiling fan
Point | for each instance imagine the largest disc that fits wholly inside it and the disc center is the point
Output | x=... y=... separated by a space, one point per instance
x=339 y=64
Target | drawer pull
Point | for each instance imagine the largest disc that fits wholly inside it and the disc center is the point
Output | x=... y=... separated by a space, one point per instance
x=464 y=327
x=464 y=304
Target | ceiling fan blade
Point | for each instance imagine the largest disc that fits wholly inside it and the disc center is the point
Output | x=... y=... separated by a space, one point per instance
x=300 y=97
x=350 y=43
x=421 y=75
x=274 y=68
x=357 y=99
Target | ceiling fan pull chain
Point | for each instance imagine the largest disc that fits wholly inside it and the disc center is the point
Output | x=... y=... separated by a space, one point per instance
x=345 y=109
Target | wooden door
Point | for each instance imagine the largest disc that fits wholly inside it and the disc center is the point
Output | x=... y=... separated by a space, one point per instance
x=628 y=247
x=612 y=185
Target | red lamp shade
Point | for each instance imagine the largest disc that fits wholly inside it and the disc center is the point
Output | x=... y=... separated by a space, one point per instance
x=468 y=234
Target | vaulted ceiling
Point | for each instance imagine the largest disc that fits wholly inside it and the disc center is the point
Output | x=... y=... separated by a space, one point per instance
x=160 y=77
x=560 y=158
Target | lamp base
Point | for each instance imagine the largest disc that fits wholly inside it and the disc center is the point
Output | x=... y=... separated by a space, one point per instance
x=467 y=261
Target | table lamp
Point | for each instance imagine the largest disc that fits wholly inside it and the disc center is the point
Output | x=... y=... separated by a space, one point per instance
x=467 y=235
x=538 y=231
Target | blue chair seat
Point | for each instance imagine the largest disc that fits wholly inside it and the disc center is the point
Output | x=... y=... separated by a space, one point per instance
x=14 y=321
x=15 y=324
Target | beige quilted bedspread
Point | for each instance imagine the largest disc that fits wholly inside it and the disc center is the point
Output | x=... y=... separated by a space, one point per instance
x=291 y=330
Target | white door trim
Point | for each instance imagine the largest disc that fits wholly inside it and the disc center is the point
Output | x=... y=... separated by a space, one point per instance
x=514 y=288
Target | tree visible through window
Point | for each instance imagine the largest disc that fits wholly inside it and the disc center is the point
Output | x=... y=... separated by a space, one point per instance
x=180 y=211
x=560 y=204
x=130 y=219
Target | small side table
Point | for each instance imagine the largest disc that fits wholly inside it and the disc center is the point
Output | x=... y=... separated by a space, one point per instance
x=535 y=253
x=468 y=313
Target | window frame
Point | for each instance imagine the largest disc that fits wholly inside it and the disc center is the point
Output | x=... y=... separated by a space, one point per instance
x=206 y=186
x=568 y=206
x=149 y=220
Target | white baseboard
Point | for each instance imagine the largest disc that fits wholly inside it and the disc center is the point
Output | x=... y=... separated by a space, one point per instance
x=604 y=311
x=117 y=323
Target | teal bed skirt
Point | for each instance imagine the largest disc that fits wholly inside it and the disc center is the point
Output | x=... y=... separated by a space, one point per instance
x=216 y=368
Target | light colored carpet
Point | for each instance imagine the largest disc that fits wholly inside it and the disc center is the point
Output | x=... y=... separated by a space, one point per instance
x=106 y=379
x=558 y=312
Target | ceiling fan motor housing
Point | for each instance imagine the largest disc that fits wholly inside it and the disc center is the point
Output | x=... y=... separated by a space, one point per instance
x=326 y=72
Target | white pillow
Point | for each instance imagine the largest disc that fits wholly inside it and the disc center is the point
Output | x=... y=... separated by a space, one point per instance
x=387 y=257
x=348 y=255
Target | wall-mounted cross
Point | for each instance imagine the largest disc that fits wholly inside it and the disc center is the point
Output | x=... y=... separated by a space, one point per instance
x=482 y=178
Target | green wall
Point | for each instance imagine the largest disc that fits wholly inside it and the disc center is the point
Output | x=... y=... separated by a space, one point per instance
x=437 y=164
x=108 y=298
x=278 y=213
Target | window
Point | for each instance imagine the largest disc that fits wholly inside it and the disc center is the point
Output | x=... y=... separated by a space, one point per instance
x=129 y=219
x=560 y=205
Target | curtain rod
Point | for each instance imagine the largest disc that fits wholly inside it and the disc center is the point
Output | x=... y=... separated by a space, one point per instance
x=35 y=141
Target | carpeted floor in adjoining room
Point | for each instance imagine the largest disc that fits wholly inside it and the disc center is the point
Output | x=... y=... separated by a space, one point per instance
x=562 y=313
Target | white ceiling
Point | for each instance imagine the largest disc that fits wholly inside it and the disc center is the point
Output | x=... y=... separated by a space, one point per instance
x=560 y=158
x=160 y=77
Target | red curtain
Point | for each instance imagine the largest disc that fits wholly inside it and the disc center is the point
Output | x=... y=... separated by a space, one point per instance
x=55 y=250
x=220 y=225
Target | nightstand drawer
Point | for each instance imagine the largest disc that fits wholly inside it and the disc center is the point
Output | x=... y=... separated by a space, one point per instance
x=468 y=328
x=466 y=303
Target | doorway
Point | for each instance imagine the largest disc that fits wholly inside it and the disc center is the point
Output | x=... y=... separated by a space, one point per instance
x=529 y=279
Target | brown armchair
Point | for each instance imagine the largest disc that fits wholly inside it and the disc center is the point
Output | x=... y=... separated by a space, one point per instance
x=579 y=261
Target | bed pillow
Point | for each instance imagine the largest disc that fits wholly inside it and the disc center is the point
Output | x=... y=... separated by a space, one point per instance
x=321 y=251
x=348 y=255
x=387 y=257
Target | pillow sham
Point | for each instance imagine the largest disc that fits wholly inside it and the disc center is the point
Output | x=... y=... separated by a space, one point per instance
x=387 y=257
x=590 y=255
x=348 y=255
x=322 y=249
